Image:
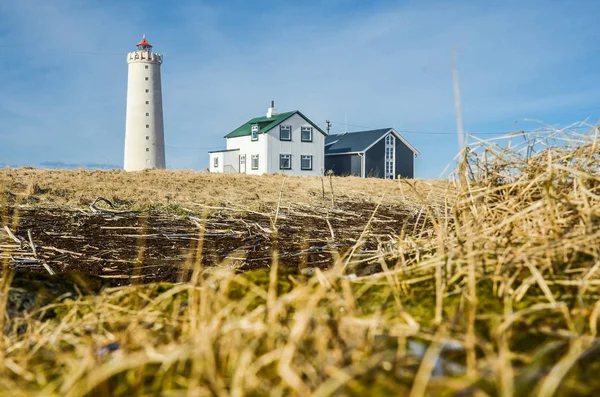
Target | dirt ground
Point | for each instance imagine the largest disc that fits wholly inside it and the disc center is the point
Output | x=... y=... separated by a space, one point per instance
x=158 y=218
x=152 y=246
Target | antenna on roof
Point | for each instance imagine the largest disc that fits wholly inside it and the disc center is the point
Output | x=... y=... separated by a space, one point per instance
x=346 y=119
x=328 y=123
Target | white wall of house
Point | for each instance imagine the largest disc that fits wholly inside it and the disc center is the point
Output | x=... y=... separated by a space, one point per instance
x=219 y=160
x=231 y=162
x=296 y=148
x=269 y=147
x=248 y=147
x=228 y=161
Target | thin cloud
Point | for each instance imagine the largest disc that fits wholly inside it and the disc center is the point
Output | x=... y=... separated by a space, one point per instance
x=382 y=65
x=69 y=166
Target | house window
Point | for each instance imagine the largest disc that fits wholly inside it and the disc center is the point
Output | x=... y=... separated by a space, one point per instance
x=389 y=157
x=147 y=102
x=285 y=161
x=255 y=161
x=146 y=66
x=306 y=135
x=147 y=138
x=389 y=153
x=147 y=114
x=216 y=162
x=285 y=132
x=306 y=163
x=254 y=133
x=147 y=90
x=147 y=149
x=147 y=125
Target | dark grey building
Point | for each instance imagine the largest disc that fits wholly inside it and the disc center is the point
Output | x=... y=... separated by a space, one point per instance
x=382 y=153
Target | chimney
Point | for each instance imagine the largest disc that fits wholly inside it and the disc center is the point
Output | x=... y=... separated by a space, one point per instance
x=272 y=111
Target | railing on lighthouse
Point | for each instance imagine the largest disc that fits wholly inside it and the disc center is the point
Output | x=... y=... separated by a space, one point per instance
x=144 y=52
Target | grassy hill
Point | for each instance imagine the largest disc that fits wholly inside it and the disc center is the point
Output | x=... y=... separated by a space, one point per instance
x=185 y=283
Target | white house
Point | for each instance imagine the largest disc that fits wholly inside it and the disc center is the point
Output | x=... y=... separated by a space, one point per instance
x=286 y=143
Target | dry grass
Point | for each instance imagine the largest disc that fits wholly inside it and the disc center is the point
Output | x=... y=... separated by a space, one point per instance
x=161 y=188
x=498 y=296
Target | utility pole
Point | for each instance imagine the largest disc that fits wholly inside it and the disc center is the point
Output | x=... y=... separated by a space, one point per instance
x=346 y=121
x=457 y=105
x=328 y=126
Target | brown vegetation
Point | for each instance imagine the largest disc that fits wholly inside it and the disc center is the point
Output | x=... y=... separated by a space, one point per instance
x=161 y=188
x=491 y=290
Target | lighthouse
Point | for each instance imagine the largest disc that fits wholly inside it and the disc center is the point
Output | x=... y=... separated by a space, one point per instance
x=144 y=129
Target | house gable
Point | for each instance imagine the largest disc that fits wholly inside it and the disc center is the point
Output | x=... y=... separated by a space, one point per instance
x=295 y=147
x=266 y=124
x=399 y=137
x=360 y=141
x=405 y=160
x=375 y=159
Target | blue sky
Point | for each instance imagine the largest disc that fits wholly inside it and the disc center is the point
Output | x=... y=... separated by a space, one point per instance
x=63 y=72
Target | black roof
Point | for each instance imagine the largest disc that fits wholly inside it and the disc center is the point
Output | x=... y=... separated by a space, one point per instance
x=352 y=141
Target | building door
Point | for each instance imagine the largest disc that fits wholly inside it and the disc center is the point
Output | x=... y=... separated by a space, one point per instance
x=242 y=163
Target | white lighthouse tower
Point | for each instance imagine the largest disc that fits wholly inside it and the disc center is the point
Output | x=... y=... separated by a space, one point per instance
x=144 y=129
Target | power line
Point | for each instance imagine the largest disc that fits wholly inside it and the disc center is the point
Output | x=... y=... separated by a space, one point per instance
x=189 y=147
x=470 y=133
x=97 y=53
x=548 y=129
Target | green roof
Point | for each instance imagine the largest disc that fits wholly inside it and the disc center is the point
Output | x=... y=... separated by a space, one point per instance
x=266 y=123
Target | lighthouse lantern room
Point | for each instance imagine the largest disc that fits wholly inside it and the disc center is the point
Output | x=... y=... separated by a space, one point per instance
x=144 y=128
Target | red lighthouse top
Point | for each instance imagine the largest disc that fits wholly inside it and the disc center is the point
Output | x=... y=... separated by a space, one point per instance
x=144 y=45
